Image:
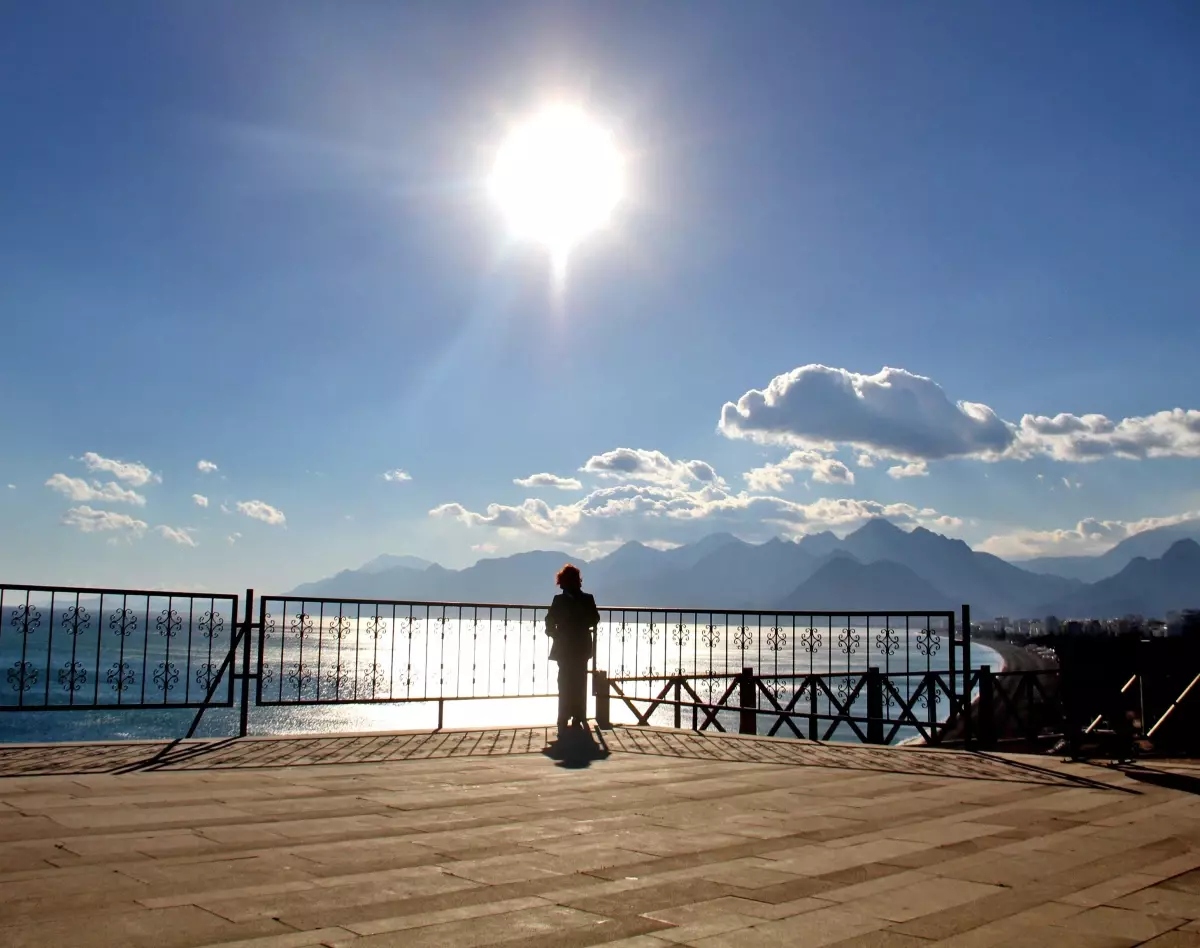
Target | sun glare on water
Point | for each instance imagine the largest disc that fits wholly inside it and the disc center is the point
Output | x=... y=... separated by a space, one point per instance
x=557 y=178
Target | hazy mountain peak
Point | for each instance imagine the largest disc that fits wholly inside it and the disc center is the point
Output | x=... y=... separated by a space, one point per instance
x=388 y=561
x=877 y=527
x=1182 y=551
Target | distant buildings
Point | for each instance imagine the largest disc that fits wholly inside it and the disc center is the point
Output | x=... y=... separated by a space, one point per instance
x=1185 y=623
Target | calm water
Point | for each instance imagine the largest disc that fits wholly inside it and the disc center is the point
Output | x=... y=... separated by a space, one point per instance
x=345 y=659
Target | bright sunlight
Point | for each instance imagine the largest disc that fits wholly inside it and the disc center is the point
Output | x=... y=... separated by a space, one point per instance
x=557 y=179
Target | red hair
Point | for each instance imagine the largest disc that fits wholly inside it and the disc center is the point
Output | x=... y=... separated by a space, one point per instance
x=569 y=576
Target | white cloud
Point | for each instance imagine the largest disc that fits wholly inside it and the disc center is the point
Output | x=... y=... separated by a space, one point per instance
x=12 y=486
x=654 y=467
x=911 y=469
x=206 y=467
x=233 y=538
x=77 y=489
x=897 y=414
x=132 y=472
x=606 y=513
x=1065 y=437
x=865 y=460
x=180 y=535
x=774 y=477
x=661 y=544
x=199 y=500
x=893 y=413
x=87 y=520
x=258 y=510
x=1087 y=538
x=548 y=480
x=484 y=547
x=530 y=515
x=397 y=475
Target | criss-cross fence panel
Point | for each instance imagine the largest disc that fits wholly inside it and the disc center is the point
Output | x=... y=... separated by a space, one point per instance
x=809 y=670
x=64 y=648
x=358 y=651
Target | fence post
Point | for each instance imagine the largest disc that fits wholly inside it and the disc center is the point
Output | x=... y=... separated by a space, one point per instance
x=748 y=701
x=813 y=725
x=968 y=709
x=987 y=708
x=600 y=690
x=248 y=622
x=874 y=706
x=678 y=699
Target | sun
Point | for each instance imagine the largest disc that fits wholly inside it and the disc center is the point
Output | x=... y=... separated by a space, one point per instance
x=557 y=179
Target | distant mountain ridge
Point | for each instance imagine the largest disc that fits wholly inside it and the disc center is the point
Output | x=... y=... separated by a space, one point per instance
x=878 y=566
x=1150 y=544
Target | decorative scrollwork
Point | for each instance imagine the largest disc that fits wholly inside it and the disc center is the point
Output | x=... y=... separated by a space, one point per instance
x=928 y=642
x=120 y=677
x=710 y=636
x=849 y=641
x=376 y=626
x=22 y=676
x=652 y=634
x=299 y=677
x=341 y=627
x=72 y=676
x=76 y=620
x=338 y=678
x=743 y=638
x=845 y=687
x=169 y=623
x=375 y=678
x=811 y=639
x=166 y=676
x=124 y=622
x=301 y=626
x=887 y=641
x=26 y=618
x=405 y=679
x=442 y=620
x=269 y=626
x=681 y=634
x=207 y=672
x=268 y=675
x=213 y=623
x=623 y=632
x=412 y=625
x=777 y=688
x=710 y=686
x=776 y=638
x=929 y=691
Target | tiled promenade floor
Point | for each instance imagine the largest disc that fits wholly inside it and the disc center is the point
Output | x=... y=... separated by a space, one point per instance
x=477 y=838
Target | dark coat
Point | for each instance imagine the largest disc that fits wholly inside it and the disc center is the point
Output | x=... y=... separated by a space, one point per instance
x=570 y=622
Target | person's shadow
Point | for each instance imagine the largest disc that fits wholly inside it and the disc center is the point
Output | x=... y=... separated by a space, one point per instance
x=576 y=748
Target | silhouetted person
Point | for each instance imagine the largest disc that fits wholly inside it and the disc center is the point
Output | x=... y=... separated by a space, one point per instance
x=570 y=623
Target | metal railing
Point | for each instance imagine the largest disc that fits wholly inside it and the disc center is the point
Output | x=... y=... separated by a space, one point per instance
x=70 y=648
x=820 y=674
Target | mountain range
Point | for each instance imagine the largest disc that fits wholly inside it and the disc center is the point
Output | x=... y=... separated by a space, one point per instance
x=879 y=566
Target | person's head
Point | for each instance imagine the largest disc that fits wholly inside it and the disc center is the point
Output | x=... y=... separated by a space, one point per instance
x=568 y=578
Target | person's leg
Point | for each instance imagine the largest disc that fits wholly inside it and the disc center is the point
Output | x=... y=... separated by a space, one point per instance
x=579 y=711
x=564 y=694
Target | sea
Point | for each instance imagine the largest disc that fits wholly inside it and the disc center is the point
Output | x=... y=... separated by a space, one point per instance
x=353 y=668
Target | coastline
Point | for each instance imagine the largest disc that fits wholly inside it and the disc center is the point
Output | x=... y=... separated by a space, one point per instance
x=1015 y=658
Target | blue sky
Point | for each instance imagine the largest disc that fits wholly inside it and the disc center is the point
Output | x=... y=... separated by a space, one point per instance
x=259 y=235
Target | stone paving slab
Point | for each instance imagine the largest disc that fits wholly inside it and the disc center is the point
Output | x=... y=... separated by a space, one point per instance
x=660 y=838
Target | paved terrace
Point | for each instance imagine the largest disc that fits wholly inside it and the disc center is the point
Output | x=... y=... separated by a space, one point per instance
x=477 y=838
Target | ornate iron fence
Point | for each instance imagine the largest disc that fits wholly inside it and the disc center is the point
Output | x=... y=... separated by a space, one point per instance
x=874 y=676
x=66 y=648
x=866 y=676
x=356 y=651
